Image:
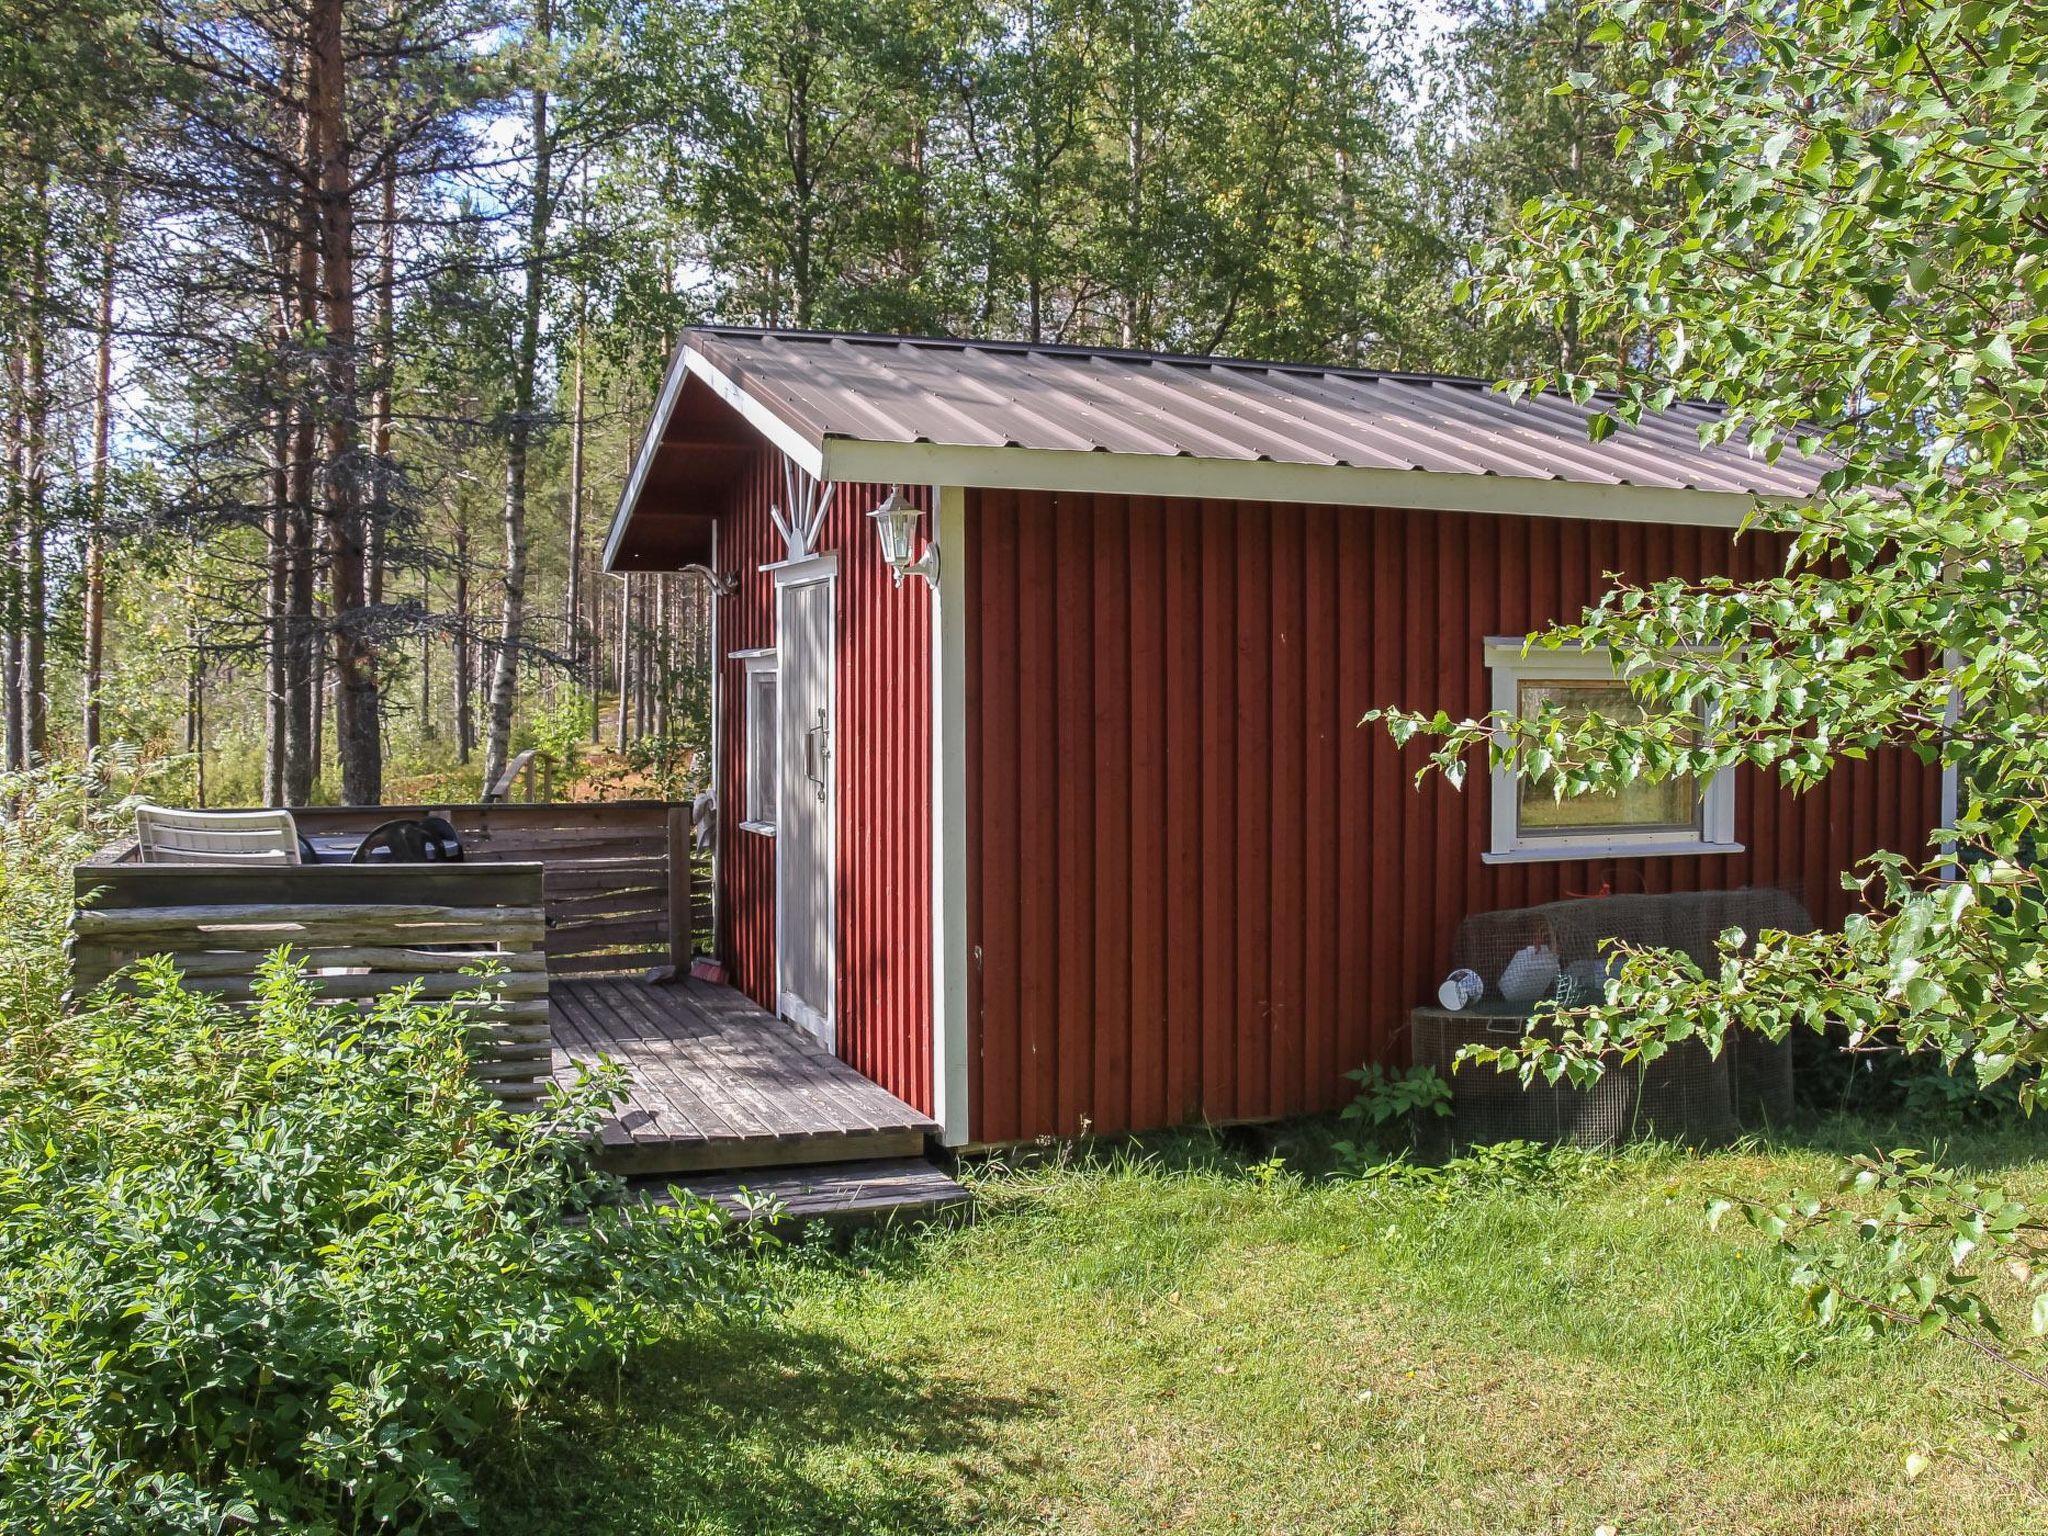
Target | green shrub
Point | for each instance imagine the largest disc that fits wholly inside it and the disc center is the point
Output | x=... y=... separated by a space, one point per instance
x=1388 y=1101
x=49 y=820
x=286 y=1267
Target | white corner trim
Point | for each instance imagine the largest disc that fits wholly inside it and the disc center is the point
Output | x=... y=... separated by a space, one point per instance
x=1143 y=474
x=949 y=816
x=1506 y=844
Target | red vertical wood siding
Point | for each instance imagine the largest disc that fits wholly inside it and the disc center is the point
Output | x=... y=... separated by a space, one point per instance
x=882 y=775
x=1198 y=888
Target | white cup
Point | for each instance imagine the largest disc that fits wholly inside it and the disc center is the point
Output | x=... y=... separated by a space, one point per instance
x=1461 y=989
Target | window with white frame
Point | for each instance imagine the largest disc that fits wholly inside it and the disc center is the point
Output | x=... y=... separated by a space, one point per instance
x=1675 y=815
x=761 y=738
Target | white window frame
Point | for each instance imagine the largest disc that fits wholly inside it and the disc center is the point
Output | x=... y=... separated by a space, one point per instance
x=1511 y=668
x=760 y=743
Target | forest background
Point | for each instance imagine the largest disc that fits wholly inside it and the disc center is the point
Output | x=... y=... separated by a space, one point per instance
x=330 y=325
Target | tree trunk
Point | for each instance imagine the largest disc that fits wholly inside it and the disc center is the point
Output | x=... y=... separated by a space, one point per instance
x=577 y=648
x=465 y=652
x=35 y=498
x=358 y=740
x=301 y=633
x=427 y=728
x=322 y=659
x=277 y=604
x=512 y=613
x=10 y=578
x=381 y=366
x=625 y=656
x=102 y=442
x=659 y=661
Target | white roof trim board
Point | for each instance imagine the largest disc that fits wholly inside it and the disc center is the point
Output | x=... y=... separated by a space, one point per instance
x=1031 y=417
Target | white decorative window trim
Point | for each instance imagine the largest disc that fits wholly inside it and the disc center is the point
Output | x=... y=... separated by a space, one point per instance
x=1714 y=832
x=758 y=667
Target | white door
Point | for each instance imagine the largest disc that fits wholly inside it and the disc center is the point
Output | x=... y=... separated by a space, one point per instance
x=803 y=833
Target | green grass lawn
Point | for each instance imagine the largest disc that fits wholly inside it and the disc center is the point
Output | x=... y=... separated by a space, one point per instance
x=1190 y=1340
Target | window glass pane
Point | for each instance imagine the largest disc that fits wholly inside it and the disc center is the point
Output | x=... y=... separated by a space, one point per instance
x=761 y=750
x=1670 y=806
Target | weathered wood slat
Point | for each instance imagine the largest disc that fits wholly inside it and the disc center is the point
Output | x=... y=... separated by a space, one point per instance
x=897 y=1188
x=311 y=917
x=626 y=902
x=607 y=931
x=422 y=962
x=376 y=984
x=630 y=962
x=331 y=885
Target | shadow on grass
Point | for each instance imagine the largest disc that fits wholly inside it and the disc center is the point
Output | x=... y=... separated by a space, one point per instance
x=763 y=1428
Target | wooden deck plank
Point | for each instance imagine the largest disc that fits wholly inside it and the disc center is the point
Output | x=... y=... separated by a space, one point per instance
x=794 y=1058
x=865 y=1102
x=717 y=1083
x=845 y=1096
x=716 y=1074
x=666 y=1078
x=662 y=1103
x=576 y=1047
x=709 y=1078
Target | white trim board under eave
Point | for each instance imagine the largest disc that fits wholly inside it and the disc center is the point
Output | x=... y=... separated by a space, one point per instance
x=1137 y=474
x=949 y=816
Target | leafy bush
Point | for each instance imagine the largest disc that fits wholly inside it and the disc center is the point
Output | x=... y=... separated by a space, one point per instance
x=285 y=1266
x=53 y=817
x=1388 y=1099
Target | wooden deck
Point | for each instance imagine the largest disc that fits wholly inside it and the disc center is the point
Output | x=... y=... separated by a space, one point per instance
x=719 y=1084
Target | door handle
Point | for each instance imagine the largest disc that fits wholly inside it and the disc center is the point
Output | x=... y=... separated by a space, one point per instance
x=817 y=753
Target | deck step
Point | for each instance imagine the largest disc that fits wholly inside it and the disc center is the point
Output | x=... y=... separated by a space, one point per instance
x=899 y=1188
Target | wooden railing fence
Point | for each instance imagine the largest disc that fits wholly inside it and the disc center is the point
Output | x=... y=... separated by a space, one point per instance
x=616 y=902
x=548 y=890
x=363 y=931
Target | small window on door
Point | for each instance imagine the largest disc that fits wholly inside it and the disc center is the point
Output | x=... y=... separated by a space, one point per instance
x=761 y=740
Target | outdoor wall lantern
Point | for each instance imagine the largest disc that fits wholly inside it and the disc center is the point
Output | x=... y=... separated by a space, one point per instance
x=896 y=522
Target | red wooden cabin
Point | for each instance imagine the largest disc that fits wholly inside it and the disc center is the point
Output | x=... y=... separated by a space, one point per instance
x=1075 y=828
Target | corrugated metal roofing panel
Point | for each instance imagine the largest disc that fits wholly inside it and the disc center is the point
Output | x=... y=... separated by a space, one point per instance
x=883 y=389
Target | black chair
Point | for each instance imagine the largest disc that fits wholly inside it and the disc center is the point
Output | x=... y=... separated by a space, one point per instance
x=427 y=840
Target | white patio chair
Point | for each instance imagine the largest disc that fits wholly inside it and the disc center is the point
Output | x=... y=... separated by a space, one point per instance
x=168 y=836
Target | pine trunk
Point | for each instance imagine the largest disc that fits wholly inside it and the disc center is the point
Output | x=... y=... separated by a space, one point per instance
x=512 y=612
x=35 y=498
x=102 y=443
x=465 y=652
x=625 y=657
x=358 y=740
x=380 y=402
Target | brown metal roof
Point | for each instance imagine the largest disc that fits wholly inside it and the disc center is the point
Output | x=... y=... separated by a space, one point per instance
x=888 y=389
x=912 y=409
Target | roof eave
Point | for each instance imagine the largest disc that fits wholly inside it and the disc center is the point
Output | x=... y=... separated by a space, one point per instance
x=689 y=360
